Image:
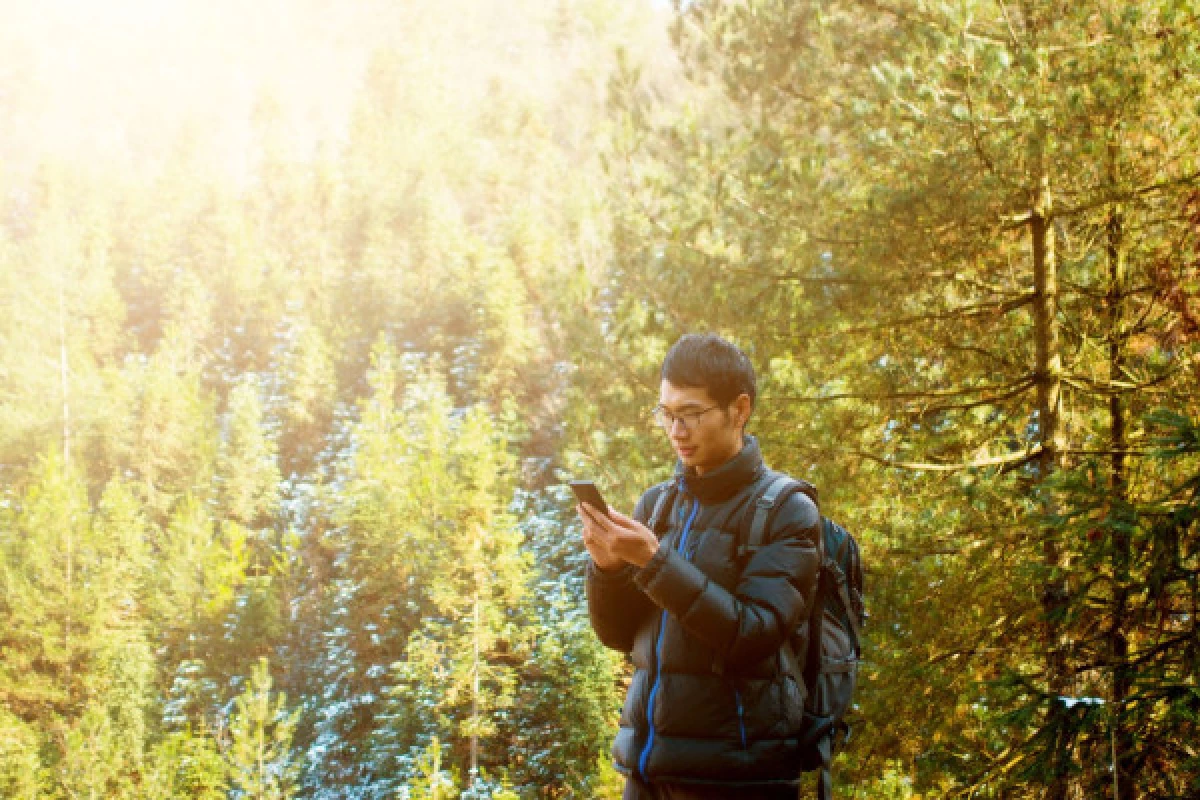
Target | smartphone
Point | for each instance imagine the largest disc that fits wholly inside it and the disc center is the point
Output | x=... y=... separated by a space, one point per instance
x=586 y=492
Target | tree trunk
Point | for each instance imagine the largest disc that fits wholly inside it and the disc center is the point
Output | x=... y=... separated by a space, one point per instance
x=475 y=694
x=63 y=372
x=1048 y=376
x=66 y=466
x=1123 y=785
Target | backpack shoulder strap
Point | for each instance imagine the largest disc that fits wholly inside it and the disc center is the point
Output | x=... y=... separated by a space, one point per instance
x=763 y=503
x=779 y=488
x=662 y=507
x=762 y=510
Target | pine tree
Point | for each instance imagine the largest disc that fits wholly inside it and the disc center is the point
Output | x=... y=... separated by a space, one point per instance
x=458 y=676
x=569 y=686
x=247 y=461
x=48 y=613
x=20 y=763
x=186 y=765
x=259 y=754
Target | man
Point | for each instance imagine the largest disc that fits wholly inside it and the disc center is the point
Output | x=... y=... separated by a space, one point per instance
x=711 y=711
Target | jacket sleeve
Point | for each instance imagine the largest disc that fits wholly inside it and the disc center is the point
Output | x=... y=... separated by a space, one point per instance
x=617 y=606
x=774 y=592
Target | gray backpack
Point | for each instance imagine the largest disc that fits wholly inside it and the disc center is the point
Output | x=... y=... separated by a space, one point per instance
x=824 y=651
x=827 y=645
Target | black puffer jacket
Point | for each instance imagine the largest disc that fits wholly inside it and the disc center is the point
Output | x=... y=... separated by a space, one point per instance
x=710 y=701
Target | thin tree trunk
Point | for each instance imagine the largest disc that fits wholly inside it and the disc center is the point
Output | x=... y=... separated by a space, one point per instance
x=1048 y=377
x=63 y=371
x=1123 y=785
x=66 y=443
x=475 y=693
x=477 y=547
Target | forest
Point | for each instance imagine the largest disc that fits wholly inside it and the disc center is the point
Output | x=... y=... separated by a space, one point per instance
x=308 y=311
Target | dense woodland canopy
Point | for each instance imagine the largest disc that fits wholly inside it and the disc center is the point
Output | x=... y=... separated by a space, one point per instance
x=282 y=446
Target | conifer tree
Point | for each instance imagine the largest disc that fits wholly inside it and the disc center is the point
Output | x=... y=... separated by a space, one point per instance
x=458 y=677
x=261 y=762
x=247 y=461
x=20 y=766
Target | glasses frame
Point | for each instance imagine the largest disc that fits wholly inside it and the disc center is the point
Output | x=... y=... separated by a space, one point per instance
x=689 y=419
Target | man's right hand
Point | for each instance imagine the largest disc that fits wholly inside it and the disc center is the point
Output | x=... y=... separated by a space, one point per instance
x=595 y=541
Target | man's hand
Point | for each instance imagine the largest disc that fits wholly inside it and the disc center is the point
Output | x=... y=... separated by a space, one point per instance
x=616 y=539
x=596 y=542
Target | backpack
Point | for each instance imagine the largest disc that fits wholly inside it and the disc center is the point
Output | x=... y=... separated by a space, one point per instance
x=823 y=652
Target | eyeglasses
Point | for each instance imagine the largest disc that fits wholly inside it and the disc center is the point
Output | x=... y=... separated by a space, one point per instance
x=666 y=419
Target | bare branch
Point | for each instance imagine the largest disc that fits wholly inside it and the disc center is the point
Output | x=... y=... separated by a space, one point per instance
x=796 y=277
x=1113 y=387
x=1108 y=198
x=1023 y=383
x=977 y=310
x=992 y=400
x=1012 y=34
x=1010 y=461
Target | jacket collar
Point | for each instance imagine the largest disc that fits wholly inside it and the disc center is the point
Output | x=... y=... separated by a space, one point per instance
x=719 y=484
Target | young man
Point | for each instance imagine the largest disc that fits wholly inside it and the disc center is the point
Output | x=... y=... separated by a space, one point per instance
x=711 y=712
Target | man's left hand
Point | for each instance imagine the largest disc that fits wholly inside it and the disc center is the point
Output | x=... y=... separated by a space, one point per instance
x=625 y=537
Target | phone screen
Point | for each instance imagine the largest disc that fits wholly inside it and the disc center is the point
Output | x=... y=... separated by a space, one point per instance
x=586 y=492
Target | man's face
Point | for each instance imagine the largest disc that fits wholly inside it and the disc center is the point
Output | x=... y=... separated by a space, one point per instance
x=704 y=434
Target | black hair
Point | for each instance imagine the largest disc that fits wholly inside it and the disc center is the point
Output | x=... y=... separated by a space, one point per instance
x=706 y=361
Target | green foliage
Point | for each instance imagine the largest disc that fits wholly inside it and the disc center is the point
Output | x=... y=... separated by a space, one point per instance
x=19 y=761
x=430 y=781
x=185 y=765
x=259 y=754
x=567 y=697
x=249 y=474
x=77 y=658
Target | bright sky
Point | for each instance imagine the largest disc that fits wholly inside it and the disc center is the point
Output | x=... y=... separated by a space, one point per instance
x=122 y=83
x=120 y=80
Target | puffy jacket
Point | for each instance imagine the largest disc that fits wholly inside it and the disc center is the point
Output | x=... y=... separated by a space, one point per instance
x=710 y=700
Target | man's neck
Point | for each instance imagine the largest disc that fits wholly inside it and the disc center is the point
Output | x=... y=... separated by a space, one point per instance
x=741 y=442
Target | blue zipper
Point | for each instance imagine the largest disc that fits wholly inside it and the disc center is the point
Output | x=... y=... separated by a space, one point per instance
x=737 y=696
x=662 y=624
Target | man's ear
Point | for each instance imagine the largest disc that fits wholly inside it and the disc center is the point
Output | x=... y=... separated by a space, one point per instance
x=742 y=408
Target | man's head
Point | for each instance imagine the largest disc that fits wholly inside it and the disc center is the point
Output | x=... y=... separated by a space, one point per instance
x=705 y=399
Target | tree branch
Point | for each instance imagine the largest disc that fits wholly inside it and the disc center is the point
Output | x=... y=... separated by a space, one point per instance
x=983 y=401
x=978 y=310
x=1023 y=383
x=1010 y=462
x=1108 y=198
x=1113 y=387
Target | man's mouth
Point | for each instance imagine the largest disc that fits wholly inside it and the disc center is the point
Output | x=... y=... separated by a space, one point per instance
x=685 y=452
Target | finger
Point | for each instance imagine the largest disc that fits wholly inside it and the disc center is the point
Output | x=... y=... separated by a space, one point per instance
x=600 y=520
x=621 y=522
x=589 y=514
